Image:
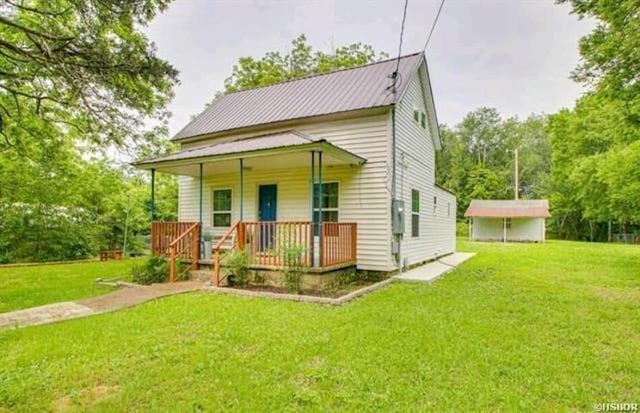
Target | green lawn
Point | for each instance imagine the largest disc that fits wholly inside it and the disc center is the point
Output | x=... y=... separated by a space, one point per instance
x=552 y=327
x=29 y=286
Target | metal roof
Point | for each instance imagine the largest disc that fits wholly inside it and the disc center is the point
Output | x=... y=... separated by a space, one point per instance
x=286 y=139
x=529 y=208
x=343 y=90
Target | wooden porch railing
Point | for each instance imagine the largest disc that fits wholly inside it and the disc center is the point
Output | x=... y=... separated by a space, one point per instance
x=339 y=241
x=163 y=233
x=184 y=248
x=218 y=247
x=176 y=241
x=270 y=242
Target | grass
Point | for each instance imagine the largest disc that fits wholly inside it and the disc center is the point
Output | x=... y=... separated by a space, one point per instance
x=30 y=286
x=553 y=327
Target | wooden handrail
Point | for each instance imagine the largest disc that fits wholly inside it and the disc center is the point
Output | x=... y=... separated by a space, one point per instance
x=216 y=252
x=194 y=254
x=184 y=235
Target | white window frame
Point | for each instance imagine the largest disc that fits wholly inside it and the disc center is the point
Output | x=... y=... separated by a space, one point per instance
x=213 y=209
x=336 y=209
x=415 y=213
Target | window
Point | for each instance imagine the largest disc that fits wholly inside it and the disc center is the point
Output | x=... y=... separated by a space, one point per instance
x=415 y=213
x=416 y=115
x=435 y=203
x=330 y=198
x=449 y=209
x=221 y=207
x=423 y=120
x=507 y=223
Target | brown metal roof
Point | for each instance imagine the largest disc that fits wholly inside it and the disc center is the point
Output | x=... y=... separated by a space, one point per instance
x=344 y=90
x=508 y=209
x=286 y=139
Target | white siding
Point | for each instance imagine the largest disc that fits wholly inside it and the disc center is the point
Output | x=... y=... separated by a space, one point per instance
x=415 y=166
x=364 y=197
x=522 y=229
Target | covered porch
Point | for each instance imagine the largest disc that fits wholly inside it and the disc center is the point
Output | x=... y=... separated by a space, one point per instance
x=271 y=196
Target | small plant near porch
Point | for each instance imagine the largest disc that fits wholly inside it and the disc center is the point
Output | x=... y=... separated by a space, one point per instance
x=237 y=261
x=294 y=267
x=154 y=270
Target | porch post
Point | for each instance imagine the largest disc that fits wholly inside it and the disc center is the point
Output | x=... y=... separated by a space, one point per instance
x=504 y=229
x=153 y=195
x=313 y=205
x=200 y=215
x=320 y=235
x=241 y=188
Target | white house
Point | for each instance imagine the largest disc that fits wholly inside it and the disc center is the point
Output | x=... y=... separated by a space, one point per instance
x=518 y=220
x=362 y=137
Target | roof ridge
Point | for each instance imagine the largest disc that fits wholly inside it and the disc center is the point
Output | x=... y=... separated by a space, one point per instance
x=312 y=75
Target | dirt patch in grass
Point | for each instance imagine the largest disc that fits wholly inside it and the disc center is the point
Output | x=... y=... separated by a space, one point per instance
x=85 y=397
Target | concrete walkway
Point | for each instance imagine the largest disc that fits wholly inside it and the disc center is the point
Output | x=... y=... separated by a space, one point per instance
x=433 y=270
x=126 y=297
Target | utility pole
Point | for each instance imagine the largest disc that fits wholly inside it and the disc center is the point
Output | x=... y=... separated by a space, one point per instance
x=516 y=176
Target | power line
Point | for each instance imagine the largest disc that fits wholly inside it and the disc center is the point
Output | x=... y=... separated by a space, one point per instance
x=404 y=18
x=433 y=26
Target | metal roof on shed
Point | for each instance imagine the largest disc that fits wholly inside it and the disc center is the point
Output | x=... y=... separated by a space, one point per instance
x=525 y=208
x=344 y=90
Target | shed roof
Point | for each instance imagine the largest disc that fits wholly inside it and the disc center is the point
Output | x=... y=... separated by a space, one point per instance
x=358 y=88
x=529 y=208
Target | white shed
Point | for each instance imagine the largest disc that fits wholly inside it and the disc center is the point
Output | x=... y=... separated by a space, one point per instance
x=508 y=220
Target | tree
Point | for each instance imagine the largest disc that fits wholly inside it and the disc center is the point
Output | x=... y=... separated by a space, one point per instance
x=477 y=159
x=82 y=69
x=301 y=60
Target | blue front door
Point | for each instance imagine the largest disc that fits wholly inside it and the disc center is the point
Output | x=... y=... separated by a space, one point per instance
x=267 y=211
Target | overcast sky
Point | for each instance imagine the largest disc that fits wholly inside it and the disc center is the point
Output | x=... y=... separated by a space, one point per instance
x=514 y=55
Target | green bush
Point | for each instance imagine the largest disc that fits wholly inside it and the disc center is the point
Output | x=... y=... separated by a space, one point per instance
x=293 y=257
x=154 y=270
x=462 y=229
x=237 y=261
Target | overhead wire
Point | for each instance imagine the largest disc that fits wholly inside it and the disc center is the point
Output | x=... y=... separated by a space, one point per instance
x=433 y=26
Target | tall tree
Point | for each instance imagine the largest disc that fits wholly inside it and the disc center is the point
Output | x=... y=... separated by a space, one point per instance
x=82 y=68
x=301 y=60
x=477 y=159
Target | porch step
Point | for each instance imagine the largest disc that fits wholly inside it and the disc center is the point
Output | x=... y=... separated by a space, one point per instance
x=200 y=275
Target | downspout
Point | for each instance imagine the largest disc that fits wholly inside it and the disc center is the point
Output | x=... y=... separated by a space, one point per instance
x=313 y=206
x=397 y=238
x=200 y=215
x=320 y=235
x=241 y=189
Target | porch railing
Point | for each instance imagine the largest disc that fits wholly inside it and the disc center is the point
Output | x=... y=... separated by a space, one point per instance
x=163 y=233
x=179 y=242
x=272 y=243
x=339 y=242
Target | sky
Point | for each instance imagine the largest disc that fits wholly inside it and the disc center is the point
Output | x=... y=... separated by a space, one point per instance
x=514 y=55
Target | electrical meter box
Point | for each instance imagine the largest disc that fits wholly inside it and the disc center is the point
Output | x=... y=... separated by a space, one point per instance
x=397 y=217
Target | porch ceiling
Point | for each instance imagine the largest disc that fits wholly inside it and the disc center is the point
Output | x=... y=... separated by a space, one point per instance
x=283 y=150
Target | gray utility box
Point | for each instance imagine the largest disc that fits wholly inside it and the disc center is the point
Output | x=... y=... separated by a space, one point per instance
x=397 y=217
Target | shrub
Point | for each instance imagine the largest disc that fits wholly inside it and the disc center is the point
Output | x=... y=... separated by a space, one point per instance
x=154 y=270
x=237 y=261
x=293 y=258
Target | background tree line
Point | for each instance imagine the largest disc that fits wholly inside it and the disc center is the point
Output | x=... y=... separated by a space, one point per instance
x=80 y=83
x=586 y=159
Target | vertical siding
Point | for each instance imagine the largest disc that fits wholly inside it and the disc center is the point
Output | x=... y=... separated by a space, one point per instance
x=364 y=197
x=522 y=229
x=415 y=166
